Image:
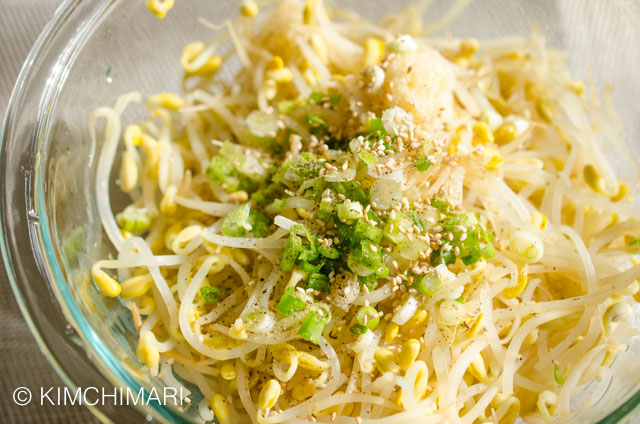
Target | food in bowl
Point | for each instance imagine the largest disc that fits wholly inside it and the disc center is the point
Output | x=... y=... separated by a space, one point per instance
x=368 y=225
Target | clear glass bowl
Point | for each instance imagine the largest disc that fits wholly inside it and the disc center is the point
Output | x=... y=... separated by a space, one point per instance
x=93 y=51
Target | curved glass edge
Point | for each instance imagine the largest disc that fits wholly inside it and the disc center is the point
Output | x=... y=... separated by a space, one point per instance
x=43 y=250
x=38 y=48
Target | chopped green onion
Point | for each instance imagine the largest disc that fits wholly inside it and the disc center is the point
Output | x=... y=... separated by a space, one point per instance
x=352 y=190
x=423 y=164
x=376 y=125
x=443 y=206
x=427 y=284
x=237 y=222
x=212 y=294
x=349 y=210
x=635 y=243
x=290 y=302
x=368 y=317
x=290 y=253
x=308 y=267
x=358 y=329
x=558 y=375
x=459 y=299
x=367 y=158
x=315 y=122
x=318 y=282
x=221 y=169
x=415 y=219
x=367 y=231
x=317 y=98
x=328 y=252
x=133 y=219
x=314 y=323
x=365 y=259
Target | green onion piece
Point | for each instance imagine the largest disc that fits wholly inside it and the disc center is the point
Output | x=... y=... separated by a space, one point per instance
x=365 y=259
x=290 y=253
x=315 y=98
x=367 y=158
x=212 y=294
x=367 y=231
x=290 y=302
x=328 y=252
x=443 y=206
x=415 y=219
x=368 y=317
x=237 y=223
x=427 y=284
x=352 y=190
x=635 y=243
x=439 y=257
x=309 y=268
x=315 y=122
x=371 y=281
x=459 y=300
x=349 y=210
x=222 y=170
x=392 y=234
x=259 y=223
x=558 y=375
x=318 y=282
x=314 y=323
x=133 y=219
x=358 y=329
x=423 y=164
x=309 y=251
x=376 y=125
x=285 y=107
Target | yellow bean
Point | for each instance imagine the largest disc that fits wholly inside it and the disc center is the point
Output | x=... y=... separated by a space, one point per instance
x=505 y=133
x=478 y=369
x=249 y=8
x=385 y=361
x=539 y=220
x=513 y=292
x=269 y=395
x=160 y=7
x=147 y=350
x=189 y=55
x=482 y=134
x=106 y=284
x=148 y=305
x=220 y=408
x=228 y=370
x=419 y=318
x=136 y=286
x=309 y=10
x=283 y=75
x=507 y=83
x=468 y=46
x=609 y=357
x=373 y=51
x=496 y=160
x=623 y=190
x=409 y=353
x=128 y=173
x=391 y=332
x=275 y=63
x=544 y=110
x=169 y=101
